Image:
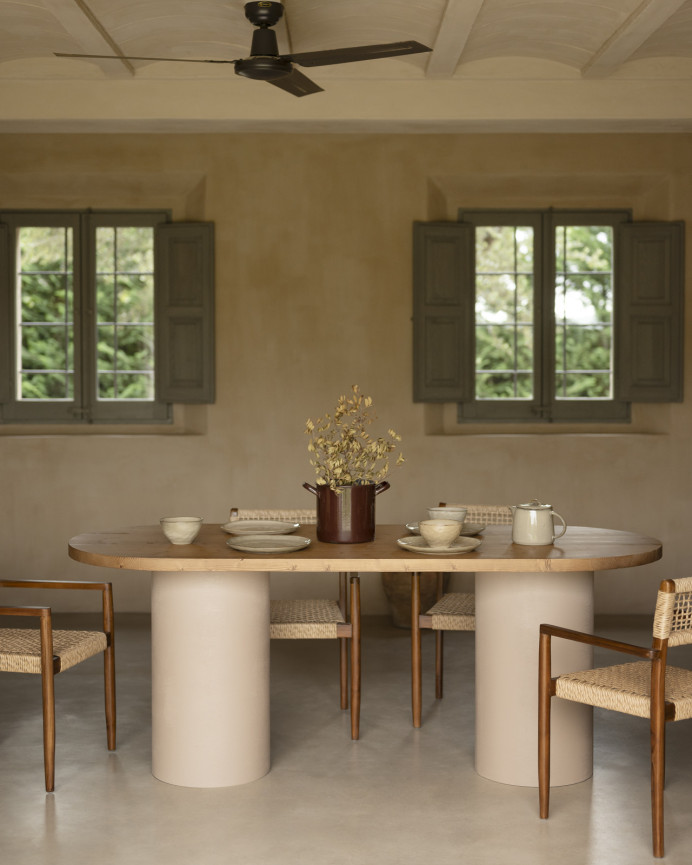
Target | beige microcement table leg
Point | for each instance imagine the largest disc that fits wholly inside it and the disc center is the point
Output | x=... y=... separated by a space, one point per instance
x=210 y=677
x=509 y=609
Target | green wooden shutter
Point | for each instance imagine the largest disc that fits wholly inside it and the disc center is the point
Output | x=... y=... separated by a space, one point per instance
x=5 y=324
x=443 y=302
x=650 y=302
x=185 y=312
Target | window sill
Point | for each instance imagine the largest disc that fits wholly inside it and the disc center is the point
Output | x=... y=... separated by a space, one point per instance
x=652 y=419
x=187 y=420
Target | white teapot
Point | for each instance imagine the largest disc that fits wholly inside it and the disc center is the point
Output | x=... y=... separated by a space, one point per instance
x=532 y=524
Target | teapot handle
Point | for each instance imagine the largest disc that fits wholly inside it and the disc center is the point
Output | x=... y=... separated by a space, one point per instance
x=381 y=487
x=311 y=488
x=564 y=525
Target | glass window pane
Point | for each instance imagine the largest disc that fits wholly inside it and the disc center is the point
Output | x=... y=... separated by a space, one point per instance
x=504 y=311
x=584 y=311
x=45 y=347
x=125 y=307
x=136 y=298
x=37 y=385
x=44 y=296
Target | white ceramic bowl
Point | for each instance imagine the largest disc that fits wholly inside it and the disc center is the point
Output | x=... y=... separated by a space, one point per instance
x=439 y=533
x=181 y=530
x=447 y=513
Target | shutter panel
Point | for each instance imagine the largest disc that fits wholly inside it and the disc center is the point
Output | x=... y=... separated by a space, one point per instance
x=650 y=319
x=443 y=298
x=185 y=312
x=6 y=340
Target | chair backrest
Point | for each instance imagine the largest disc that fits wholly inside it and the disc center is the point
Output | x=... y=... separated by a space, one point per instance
x=306 y=516
x=673 y=616
x=493 y=515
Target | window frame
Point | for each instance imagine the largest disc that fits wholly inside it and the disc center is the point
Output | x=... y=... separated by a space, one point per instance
x=84 y=408
x=544 y=407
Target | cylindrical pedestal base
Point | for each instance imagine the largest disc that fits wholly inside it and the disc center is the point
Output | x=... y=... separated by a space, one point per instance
x=210 y=677
x=509 y=609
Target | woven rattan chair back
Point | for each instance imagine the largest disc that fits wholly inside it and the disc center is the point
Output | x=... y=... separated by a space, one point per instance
x=488 y=515
x=307 y=516
x=673 y=616
x=319 y=618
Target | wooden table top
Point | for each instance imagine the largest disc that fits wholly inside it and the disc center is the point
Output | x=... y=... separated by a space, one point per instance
x=144 y=548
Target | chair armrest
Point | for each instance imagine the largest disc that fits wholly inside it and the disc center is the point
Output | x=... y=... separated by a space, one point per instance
x=600 y=642
x=106 y=590
x=25 y=611
x=52 y=584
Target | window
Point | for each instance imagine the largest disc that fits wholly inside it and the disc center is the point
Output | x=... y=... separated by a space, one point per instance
x=88 y=327
x=547 y=315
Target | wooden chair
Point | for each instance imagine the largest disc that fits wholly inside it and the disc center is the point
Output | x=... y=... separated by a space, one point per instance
x=649 y=688
x=47 y=652
x=321 y=618
x=456 y=611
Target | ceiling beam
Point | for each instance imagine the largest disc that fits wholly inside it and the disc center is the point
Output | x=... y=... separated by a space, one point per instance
x=93 y=38
x=623 y=42
x=456 y=25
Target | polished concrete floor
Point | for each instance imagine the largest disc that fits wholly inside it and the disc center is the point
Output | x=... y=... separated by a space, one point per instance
x=398 y=796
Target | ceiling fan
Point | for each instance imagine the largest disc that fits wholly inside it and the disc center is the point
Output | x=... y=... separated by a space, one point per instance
x=266 y=64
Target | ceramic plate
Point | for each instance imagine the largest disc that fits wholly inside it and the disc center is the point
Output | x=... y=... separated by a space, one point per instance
x=416 y=544
x=268 y=543
x=466 y=530
x=260 y=527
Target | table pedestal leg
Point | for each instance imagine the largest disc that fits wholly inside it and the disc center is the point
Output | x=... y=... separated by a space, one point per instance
x=210 y=677
x=509 y=609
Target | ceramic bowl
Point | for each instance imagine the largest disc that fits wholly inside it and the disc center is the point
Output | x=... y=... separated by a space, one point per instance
x=439 y=533
x=181 y=530
x=447 y=513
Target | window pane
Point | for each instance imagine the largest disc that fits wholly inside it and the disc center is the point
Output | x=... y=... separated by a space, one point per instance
x=504 y=312
x=125 y=312
x=47 y=386
x=584 y=311
x=45 y=285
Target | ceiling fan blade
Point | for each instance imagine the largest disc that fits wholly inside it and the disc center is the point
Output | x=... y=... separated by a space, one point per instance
x=119 y=57
x=363 y=52
x=297 y=84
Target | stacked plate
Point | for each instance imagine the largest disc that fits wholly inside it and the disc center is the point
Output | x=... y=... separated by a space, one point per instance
x=264 y=536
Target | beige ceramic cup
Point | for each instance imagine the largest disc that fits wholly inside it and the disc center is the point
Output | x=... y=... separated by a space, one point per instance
x=181 y=530
x=439 y=533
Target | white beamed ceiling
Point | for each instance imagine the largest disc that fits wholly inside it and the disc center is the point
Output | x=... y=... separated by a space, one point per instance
x=495 y=65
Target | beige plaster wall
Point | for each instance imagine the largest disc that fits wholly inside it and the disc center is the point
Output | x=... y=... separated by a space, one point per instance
x=313 y=275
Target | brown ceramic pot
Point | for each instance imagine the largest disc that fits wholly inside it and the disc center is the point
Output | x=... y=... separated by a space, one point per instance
x=346 y=516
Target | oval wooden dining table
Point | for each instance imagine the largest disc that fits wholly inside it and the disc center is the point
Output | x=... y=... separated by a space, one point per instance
x=210 y=640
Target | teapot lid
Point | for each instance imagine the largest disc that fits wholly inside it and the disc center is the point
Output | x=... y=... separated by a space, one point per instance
x=535 y=505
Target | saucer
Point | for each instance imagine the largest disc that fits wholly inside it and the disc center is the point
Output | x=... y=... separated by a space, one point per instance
x=416 y=544
x=467 y=529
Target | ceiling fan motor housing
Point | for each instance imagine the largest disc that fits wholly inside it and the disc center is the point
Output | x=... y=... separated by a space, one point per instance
x=264 y=14
x=264 y=63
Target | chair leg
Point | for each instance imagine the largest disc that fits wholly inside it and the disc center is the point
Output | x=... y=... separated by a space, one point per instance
x=416 y=679
x=48 y=699
x=439 y=663
x=109 y=665
x=109 y=683
x=658 y=756
x=544 y=696
x=355 y=656
x=343 y=647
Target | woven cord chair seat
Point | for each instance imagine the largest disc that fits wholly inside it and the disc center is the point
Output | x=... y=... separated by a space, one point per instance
x=627 y=688
x=20 y=648
x=454 y=612
x=304 y=619
x=307 y=516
